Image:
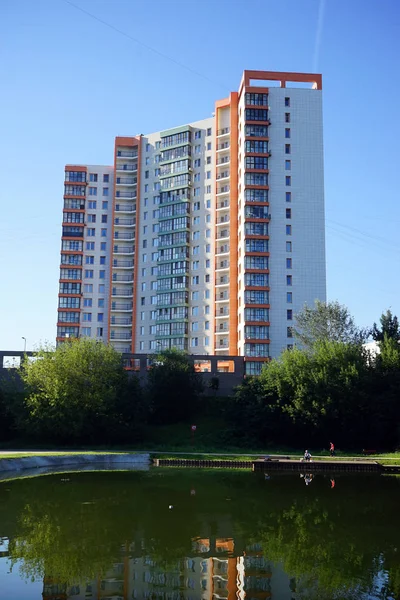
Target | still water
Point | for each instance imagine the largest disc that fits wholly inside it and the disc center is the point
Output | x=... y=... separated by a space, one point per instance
x=166 y=534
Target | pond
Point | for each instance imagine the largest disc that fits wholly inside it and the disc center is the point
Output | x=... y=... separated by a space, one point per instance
x=168 y=534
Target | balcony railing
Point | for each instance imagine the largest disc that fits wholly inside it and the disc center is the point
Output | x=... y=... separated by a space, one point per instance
x=123 y=306
x=118 y=235
x=224 y=219
x=223 y=175
x=223 y=204
x=119 y=277
x=127 y=153
x=123 y=264
x=223 y=131
x=126 y=168
x=126 y=180
x=223 y=146
x=119 y=194
x=125 y=208
x=122 y=292
x=121 y=321
x=223 y=190
x=124 y=250
x=72 y=233
x=223 y=312
x=223 y=160
x=120 y=335
x=124 y=222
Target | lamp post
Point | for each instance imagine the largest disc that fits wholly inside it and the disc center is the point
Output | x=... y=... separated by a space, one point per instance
x=24 y=338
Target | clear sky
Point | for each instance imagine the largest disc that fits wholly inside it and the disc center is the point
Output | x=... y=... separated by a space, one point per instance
x=70 y=83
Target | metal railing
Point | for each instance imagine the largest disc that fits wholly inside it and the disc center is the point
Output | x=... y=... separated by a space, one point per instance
x=223 y=131
x=127 y=153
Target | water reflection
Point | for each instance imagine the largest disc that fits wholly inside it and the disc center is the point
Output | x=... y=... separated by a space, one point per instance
x=175 y=535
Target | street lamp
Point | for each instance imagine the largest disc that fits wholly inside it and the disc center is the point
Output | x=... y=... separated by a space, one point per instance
x=24 y=338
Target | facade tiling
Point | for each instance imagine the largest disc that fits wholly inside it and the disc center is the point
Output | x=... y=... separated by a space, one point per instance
x=207 y=237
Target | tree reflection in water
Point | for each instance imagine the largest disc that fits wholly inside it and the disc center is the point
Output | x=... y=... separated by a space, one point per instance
x=115 y=533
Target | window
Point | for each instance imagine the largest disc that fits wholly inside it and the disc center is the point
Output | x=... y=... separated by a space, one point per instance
x=287 y=117
x=141 y=345
x=99 y=332
x=195 y=295
x=196 y=205
x=207 y=297
x=144 y=244
x=87 y=317
x=93 y=177
x=209 y=131
x=91 y=218
x=208 y=175
x=288 y=213
x=288 y=180
x=288 y=165
x=106 y=178
x=104 y=218
x=208 y=189
x=86 y=331
x=146 y=187
x=104 y=231
x=289 y=297
x=157 y=186
x=146 y=174
x=89 y=273
x=100 y=317
x=158 y=145
x=288 y=246
x=87 y=302
x=195 y=265
x=105 y=191
x=102 y=288
x=209 y=160
x=91 y=232
x=197 y=149
x=288 y=263
x=287 y=149
x=102 y=260
x=196 y=235
x=196 y=191
x=195 y=280
x=142 y=301
x=197 y=177
x=287 y=133
x=208 y=263
x=102 y=274
x=197 y=135
x=142 y=316
x=288 y=196
x=288 y=230
x=157 y=172
x=143 y=286
x=195 y=311
x=88 y=288
x=103 y=246
x=92 y=191
x=89 y=260
x=208 y=202
x=288 y=280
x=144 y=258
x=92 y=204
x=104 y=205
x=142 y=330
x=290 y=332
x=194 y=342
x=208 y=233
x=100 y=303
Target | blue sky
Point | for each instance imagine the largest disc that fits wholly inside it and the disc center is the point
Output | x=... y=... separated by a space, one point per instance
x=70 y=84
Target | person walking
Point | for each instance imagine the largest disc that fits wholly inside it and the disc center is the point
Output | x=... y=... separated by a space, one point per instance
x=332 y=449
x=307 y=456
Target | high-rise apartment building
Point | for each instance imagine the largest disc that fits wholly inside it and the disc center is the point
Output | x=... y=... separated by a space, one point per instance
x=207 y=237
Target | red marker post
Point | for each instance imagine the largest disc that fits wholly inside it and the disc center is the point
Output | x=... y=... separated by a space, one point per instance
x=193 y=429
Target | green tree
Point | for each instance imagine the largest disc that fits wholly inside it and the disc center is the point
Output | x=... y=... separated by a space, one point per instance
x=173 y=387
x=76 y=392
x=327 y=321
x=389 y=328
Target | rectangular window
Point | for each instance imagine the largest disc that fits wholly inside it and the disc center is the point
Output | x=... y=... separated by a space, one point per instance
x=104 y=232
x=91 y=232
x=287 y=117
x=103 y=246
x=86 y=331
x=288 y=230
x=88 y=288
x=287 y=149
x=93 y=177
x=287 y=133
x=88 y=273
x=102 y=260
x=92 y=191
x=87 y=317
x=106 y=178
x=288 y=196
x=100 y=317
x=100 y=303
x=87 y=302
x=102 y=288
x=288 y=263
x=104 y=218
x=288 y=180
x=287 y=101
x=288 y=280
x=105 y=191
x=92 y=204
x=91 y=219
x=288 y=213
x=209 y=131
x=102 y=274
x=99 y=332
x=104 y=205
x=89 y=260
x=288 y=246
x=290 y=332
x=289 y=297
x=288 y=165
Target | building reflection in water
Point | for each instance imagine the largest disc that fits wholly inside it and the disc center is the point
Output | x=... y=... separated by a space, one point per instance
x=214 y=571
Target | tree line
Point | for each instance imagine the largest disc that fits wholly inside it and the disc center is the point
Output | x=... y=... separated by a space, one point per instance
x=329 y=387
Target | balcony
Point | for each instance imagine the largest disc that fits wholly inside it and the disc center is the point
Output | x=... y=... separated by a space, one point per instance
x=223 y=313
x=121 y=306
x=122 y=264
x=223 y=234
x=72 y=234
x=118 y=222
x=126 y=181
x=224 y=204
x=124 y=250
x=224 y=131
x=223 y=147
x=222 y=331
x=122 y=292
x=120 y=335
x=222 y=266
x=224 y=160
x=127 y=153
x=222 y=297
x=126 y=168
x=224 y=219
x=127 y=278
x=126 y=208
x=223 y=344
x=223 y=175
x=118 y=235
x=223 y=190
x=119 y=194
x=222 y=281
x=123 y=321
